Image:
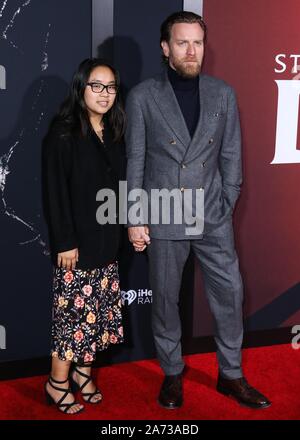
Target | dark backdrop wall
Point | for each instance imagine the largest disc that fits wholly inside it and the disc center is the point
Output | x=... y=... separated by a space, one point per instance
x=135 y=51
x=41 y=44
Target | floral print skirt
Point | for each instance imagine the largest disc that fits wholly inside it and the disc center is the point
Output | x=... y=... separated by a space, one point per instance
x=86 y=312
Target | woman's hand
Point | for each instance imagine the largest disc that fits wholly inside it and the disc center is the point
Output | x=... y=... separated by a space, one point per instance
x=68 y=259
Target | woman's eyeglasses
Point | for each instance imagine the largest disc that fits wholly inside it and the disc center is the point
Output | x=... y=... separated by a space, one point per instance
x=97 y=87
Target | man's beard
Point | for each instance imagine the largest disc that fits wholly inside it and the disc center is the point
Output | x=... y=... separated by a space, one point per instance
x=187 y=69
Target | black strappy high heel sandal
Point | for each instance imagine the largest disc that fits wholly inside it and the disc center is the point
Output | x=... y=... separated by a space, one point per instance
x=63 y=407
x=87 y=397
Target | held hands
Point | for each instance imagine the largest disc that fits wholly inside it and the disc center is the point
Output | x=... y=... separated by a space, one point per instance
x=139 y=237
x=68 y=259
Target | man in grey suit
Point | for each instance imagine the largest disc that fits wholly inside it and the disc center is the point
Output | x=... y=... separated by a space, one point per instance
x=183 y=134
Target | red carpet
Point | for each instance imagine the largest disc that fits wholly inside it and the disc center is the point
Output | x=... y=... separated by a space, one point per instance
x=130 y=391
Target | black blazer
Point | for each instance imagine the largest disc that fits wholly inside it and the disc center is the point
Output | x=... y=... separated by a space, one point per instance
x=74 y=170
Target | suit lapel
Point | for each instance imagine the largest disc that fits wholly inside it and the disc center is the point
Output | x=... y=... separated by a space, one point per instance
x=165 y=99
x=208 y=100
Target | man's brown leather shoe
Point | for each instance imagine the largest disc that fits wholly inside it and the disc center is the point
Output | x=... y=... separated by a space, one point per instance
x=241 y=391
x=170 y=395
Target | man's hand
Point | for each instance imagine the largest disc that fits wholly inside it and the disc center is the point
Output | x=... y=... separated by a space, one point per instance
x=67 y=260
x=139 y=237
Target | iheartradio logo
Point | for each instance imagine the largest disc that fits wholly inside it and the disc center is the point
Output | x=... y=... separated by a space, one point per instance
x=143 y=296
x=128 y=296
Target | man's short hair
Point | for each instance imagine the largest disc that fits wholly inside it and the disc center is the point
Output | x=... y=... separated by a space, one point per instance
x=180 y=17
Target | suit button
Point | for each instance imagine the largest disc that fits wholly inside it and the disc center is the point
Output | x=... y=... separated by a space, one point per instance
x=182 y=189
x=216 y=114
x=201 y=188
x=210 y=141
x=203 y=164
x=172 y=142
x=183 y=165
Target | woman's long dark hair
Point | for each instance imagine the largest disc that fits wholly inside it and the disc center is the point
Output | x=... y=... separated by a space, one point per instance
x=73 y=114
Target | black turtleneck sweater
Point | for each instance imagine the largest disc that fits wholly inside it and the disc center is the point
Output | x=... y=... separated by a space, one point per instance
x=187 y=94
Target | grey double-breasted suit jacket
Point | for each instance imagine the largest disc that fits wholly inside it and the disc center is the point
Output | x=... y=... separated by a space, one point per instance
x=161 y=153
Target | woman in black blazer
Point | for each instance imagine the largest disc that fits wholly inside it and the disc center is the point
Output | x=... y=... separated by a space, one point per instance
x=82 y=154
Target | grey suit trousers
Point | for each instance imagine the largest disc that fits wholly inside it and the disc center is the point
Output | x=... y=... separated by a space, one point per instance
x=223 y=286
